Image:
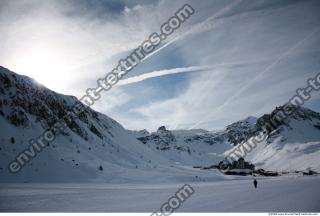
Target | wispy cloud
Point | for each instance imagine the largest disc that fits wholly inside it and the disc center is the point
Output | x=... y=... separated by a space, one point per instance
x=230 y=60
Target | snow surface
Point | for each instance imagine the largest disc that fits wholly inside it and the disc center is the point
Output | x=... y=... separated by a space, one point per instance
x=77 y=154
x=289 y=148
x=137 y=176
x=280 y=194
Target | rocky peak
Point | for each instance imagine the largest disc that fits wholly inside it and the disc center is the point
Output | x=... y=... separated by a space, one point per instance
x=280 y=117
x=162 y=129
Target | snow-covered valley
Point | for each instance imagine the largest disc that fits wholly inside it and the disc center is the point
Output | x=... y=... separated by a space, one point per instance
x=220 y=81
x=96 y=148
x=97 y=157
x=282 y=194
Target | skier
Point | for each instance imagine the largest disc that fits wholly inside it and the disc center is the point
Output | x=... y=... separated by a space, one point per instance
x=255 y=183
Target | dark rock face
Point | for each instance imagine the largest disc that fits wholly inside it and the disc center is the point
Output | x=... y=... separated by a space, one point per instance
x=207 y=137
x=24 y=97
x=240 y=131
x=282 y=115
x=162 y=138
x=18 y=117
x=162 y=129
x=274 y=122
x=235 y=133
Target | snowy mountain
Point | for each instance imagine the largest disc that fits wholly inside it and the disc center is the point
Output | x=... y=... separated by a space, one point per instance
x=290 y=145
x=95 y=147
x=293 y=144
x=198 y=147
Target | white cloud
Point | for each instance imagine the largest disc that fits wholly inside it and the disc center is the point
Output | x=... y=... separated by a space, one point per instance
x=231 y=42
x=79 y=48
x=111 y=102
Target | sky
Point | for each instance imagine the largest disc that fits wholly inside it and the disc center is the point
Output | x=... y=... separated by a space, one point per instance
x=230 y=60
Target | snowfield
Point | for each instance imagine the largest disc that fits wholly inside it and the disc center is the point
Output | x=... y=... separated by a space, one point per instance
x=280 y=194
x=95 y=164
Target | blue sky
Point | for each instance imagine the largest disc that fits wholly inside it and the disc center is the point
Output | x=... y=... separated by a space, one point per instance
x=255 y=55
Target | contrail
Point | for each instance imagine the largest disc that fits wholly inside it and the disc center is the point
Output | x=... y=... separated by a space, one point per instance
x=159 y=73
x=239 y=91
x=202 y=26
x=172 y=71
x=197 y=27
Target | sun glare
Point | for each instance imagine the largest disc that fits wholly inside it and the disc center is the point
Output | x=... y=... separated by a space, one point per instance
x=43 y=64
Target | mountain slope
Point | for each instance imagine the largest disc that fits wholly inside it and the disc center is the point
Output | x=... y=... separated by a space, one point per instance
x=293 y=144
x=95 y=147
x=90 y=141
x=197 y=147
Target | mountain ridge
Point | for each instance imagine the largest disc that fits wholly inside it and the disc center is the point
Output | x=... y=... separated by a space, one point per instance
x=95 y=147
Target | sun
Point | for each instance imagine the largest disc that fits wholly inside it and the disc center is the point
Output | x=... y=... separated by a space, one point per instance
x=45 y=64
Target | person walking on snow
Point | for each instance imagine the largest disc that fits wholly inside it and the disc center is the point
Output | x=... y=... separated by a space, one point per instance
x=255 y=183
